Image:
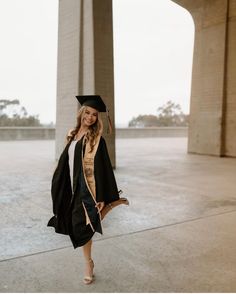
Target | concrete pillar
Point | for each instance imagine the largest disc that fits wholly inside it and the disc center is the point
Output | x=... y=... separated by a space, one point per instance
x=230 y=104
x=86 y=51
x=207 y=107
x=67 y=69
x=103 y=63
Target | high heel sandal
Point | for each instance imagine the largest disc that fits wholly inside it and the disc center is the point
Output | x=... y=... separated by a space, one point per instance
x=89 y=279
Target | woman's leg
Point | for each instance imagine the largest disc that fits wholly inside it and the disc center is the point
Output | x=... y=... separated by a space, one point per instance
x=87 y=250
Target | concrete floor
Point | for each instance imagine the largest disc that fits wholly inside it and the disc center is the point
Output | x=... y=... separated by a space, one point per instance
x=177 y=235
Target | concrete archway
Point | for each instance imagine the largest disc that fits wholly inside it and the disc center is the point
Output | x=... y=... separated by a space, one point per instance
x=213 y=99
x=85 y=65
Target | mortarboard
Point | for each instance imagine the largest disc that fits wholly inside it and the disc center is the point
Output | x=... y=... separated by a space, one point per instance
x=95 y=101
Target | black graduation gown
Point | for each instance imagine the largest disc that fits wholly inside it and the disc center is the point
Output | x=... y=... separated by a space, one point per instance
x=69 y=216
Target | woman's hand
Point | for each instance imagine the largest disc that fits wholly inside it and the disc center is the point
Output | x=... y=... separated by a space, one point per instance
x=100 y=206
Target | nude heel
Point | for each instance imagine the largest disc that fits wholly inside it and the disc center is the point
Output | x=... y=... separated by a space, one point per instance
x=89 y=279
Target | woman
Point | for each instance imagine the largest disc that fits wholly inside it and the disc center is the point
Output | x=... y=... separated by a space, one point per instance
x=83 y=185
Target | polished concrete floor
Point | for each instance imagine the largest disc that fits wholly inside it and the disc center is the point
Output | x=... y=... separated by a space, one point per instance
x=177 y=235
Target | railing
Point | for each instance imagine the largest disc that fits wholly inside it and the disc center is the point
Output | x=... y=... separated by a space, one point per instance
x=46 y=133
x=152 y=132
x=26 y=133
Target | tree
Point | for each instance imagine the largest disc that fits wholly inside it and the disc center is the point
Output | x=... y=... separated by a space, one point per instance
x=170 y=114
x=144 y=121
x=12 y=114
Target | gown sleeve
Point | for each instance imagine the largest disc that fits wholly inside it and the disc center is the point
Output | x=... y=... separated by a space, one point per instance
x=106 y=187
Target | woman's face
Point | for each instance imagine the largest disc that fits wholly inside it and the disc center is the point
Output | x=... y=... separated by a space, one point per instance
x=90 y=116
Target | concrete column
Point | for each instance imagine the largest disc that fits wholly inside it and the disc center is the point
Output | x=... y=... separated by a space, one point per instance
x=103 y=63
x=230 y=105
x=207 y=107
x=85 y=28
x=67 y=69
x=87 y=74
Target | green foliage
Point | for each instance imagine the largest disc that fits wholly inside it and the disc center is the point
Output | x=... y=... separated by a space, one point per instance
x=170 y=114
x=4 y=103
x=143 y=121
x=19 y=117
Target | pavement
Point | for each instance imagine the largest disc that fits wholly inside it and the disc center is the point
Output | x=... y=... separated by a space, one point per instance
x=177 y=234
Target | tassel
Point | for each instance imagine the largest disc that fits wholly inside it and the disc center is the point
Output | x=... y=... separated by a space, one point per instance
x=109 y=128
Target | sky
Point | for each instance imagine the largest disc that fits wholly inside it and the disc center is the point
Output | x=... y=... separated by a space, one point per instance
x=153 y=49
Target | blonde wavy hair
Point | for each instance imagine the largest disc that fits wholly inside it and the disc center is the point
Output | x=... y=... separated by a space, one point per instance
x=93 y=131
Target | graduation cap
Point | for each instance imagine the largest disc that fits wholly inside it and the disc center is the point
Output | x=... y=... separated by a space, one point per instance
x=95 y=101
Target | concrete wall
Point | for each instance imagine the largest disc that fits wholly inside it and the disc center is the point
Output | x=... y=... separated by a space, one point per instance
x=38 y=133
x=152 y=132
x=26 y=133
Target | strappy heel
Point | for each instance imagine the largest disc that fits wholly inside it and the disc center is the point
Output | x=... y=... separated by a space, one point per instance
x=89 y=279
